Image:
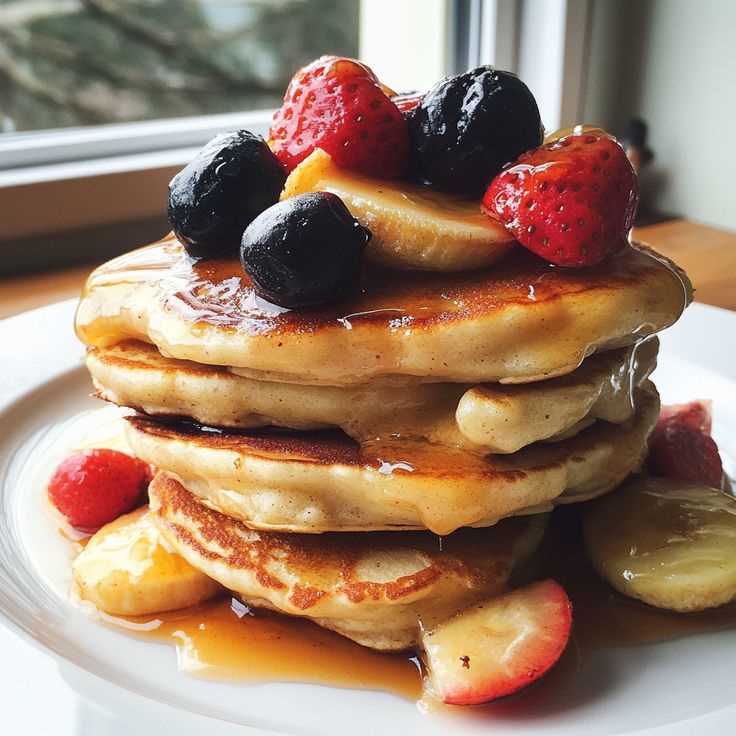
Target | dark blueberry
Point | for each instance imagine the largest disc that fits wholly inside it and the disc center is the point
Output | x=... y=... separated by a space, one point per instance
x=466 y=128
x=214 y=198
x=304 y=251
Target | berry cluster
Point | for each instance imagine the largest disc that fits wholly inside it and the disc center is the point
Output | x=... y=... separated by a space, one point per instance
x=477 y=135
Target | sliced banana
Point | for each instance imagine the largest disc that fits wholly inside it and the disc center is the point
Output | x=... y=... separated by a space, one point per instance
x=413 y=227
x=665 y=542
x=127 y=569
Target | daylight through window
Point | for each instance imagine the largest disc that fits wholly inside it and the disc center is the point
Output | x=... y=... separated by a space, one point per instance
x=86 y=62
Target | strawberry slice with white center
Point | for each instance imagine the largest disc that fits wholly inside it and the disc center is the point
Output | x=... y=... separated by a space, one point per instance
x=500 y=646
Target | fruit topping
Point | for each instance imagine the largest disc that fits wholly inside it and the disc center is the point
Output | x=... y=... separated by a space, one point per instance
x=695 y=414
x=304 y=251
x=407 y=102
x=500 y=646
x=127 y=569
x=571 y=202
x=339 y=105
x=413 y=227
x=466 y=128
x=681 y=446
x=669 y=543
x=229 y=182
x=93 y=487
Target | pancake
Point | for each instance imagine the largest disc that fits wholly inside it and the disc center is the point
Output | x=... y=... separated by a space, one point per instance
x=377 y=589
x=487 y=417
x=318 y=482
x=518 y=321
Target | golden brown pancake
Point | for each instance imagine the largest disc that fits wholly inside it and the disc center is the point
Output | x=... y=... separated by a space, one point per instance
x=318 y=482
x=485 y=417
x=518 y=321
x=376 y=589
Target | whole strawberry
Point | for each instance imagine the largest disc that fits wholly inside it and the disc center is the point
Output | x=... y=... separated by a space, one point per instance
x=681 y=446
x=94 y=487
x=338 y=105
x=571 y=202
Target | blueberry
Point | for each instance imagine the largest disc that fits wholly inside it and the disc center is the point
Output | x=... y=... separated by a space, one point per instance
x=304 y=251
x=214 y=198
x=467 y=127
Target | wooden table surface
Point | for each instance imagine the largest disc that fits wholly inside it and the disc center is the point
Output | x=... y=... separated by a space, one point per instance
x=706 y=253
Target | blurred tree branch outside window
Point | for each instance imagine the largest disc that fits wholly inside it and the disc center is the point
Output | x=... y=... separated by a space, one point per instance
x=80 y=62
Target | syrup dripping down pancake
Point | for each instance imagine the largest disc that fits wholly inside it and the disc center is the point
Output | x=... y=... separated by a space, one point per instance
x=311 y=482
x=521 y=320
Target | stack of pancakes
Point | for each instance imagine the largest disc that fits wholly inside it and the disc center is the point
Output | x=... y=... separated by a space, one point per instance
x=330 y=462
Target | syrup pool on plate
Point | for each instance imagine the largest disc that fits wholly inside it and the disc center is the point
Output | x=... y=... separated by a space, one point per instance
x=224 y=639
x=602 y=617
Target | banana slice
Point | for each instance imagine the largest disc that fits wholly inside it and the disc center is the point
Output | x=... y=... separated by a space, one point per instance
x=665 y=542
x=127 y=569
x=413 y=227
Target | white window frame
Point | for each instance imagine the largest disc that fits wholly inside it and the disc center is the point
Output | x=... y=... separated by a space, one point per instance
x=25 y=150
x=45 y=175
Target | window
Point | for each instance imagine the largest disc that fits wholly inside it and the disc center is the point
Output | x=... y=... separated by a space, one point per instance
x=68 y=63
x=101 y=101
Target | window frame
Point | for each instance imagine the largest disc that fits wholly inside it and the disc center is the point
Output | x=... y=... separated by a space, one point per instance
x=43 y=174
x=56 y=181
x=47 y=147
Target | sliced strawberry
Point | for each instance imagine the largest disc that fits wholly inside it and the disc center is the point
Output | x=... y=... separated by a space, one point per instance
x=500 y=646
x=571 y=201
x=681 y=446
x=94 y=487
x=339 y=105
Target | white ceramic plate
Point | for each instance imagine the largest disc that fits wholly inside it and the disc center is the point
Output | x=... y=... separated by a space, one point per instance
x=123 y=685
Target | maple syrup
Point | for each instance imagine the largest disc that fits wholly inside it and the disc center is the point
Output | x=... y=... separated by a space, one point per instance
x=216 y=291
x=395 y=324
x=215 y=640
x=223 y=639
x=602 y=617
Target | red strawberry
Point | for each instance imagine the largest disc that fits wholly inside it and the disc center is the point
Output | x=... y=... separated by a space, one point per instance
x=499 y=646
x=339 y=105
x=571 y=202
x=696 y=414
x=407 y=102
x=94 y=487
x=681 y=447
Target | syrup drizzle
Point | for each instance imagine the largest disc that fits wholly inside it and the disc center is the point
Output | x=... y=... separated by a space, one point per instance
x=182 y=305
x=217 y=292
x=225 y=640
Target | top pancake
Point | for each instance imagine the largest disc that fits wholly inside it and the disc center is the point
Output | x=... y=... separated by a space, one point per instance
x=521 y=320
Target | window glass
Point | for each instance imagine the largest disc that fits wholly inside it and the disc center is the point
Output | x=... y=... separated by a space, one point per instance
x=85 y=62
